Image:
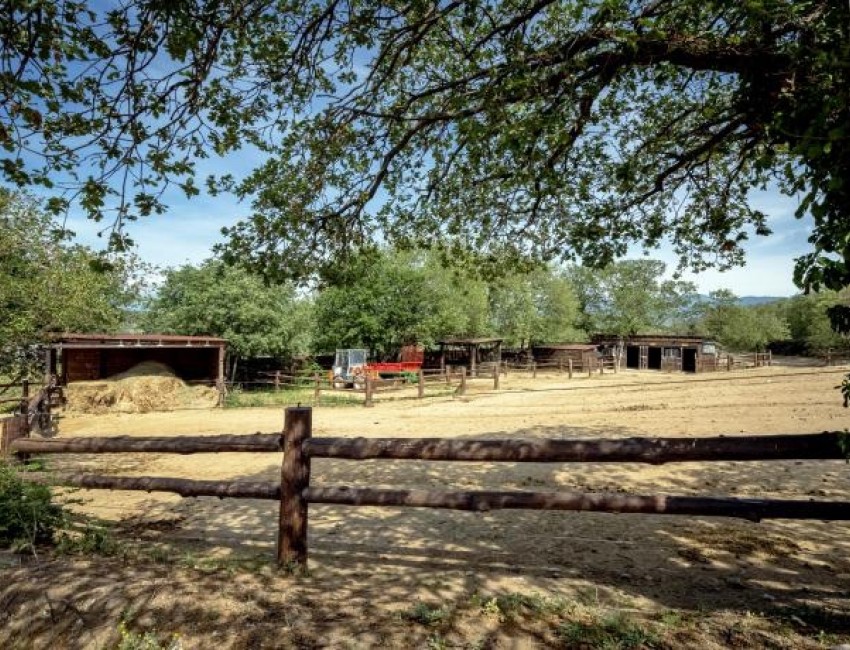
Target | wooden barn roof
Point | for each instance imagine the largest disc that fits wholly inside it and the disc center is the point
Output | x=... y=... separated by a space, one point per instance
x=654 y=339
x=126 y=340
x=566 y=346
x=471 y=341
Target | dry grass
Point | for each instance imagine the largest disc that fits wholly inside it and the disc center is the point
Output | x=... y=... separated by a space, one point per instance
x=146 y=387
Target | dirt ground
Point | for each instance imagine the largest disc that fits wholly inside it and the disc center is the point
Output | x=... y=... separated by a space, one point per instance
x=202 y=568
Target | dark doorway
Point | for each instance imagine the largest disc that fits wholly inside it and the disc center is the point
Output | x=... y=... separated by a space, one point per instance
x=689 y=360
x=632 y=356
x=654 y=360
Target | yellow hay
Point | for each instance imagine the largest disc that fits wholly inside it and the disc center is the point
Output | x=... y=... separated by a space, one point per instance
x=148 y=386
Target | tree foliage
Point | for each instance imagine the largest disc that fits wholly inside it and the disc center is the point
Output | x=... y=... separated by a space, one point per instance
x=218 y=300
x=540 y=306
x=809 y=324
x=543 y=128
x=395 y=298
x=49 y=285
x=742 y=328
x=630 y=297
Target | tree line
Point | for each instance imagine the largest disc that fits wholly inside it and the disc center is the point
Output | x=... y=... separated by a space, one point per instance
x=380 y=301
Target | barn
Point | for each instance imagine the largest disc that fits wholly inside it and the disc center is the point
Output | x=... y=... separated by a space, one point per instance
x=478 y=355
x=583 y=356
x=85 y=357
x=670 y=352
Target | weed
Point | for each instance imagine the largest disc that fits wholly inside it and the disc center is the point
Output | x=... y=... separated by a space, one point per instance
x=145 y=640
x=427 y=614
x=510 y=606
x=436 y=642
x=92 y=539
x=614 y=632
x=28 y=515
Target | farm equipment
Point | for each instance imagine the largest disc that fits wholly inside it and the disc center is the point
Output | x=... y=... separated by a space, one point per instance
x=351 y=367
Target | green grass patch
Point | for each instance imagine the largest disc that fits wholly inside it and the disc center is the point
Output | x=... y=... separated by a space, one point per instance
x=289 y=397
x=613 y=632
x=427 y=614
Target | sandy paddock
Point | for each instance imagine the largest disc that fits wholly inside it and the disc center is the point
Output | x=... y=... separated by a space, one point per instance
x=368 y=566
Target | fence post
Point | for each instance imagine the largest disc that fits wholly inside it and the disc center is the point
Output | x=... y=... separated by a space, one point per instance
x=560 y=366
x=294 y=479
x=728 y=363
x=534 y=370
x=602 y=366
x=420 y=387
x=277 y=380
x=317 y=393
x=570 y=368
x=448 y=370
x=770 y=357
x=367 y=397
x=495 y=377
x=461 y=389
x=829 y=356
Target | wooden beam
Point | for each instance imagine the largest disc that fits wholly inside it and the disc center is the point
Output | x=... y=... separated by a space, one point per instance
x=257 y=442
x=656 y=451
x=183 y=487
x=751 y=509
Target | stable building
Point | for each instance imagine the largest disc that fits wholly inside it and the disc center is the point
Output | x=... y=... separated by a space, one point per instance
x=580 y=356
x=478 y=355
x=86 y=357
x=661 y=351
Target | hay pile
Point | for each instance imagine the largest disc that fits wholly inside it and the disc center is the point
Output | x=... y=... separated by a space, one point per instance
x=148 y=386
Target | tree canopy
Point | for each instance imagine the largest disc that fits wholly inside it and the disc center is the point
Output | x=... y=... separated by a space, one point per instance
x=512 y=129
x=395 y=298
x=215 y=299
x=631 y=297
x=49 y=285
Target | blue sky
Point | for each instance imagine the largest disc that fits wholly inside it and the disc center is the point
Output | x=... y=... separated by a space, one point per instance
x=187 y=232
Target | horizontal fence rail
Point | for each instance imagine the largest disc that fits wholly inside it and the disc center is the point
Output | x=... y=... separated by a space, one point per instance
x=257 y=442
x=295 y=493
x=819 y=446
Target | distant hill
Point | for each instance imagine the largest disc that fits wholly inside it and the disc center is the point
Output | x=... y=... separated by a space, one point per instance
x=749 y=301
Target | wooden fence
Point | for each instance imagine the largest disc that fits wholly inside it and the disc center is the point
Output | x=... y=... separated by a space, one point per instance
x=22 y=386
x=295 y=492
x=321 y=383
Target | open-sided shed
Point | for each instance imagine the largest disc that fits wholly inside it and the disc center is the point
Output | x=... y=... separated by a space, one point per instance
x=470 y=352
x=83 y=357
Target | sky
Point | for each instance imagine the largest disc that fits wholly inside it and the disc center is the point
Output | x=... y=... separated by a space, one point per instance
x=186 y=233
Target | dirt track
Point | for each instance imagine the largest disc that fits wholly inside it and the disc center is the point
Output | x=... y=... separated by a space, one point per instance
x=369 y=564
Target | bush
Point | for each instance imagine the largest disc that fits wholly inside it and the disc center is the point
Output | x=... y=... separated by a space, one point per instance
x=28 y=515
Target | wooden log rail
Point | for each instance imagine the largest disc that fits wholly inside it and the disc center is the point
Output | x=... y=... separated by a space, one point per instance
x=295 y=492
x=257 y=442
x=655 y=451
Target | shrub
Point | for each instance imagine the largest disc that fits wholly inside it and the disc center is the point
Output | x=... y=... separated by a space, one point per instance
x=28 y=515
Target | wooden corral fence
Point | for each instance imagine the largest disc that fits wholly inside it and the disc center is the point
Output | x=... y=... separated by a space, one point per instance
x=295 y=492
x=11 y=428
x=569 y=367
x=319 y=383
x=749 y=360
x=836 y=357
x=22 y=388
